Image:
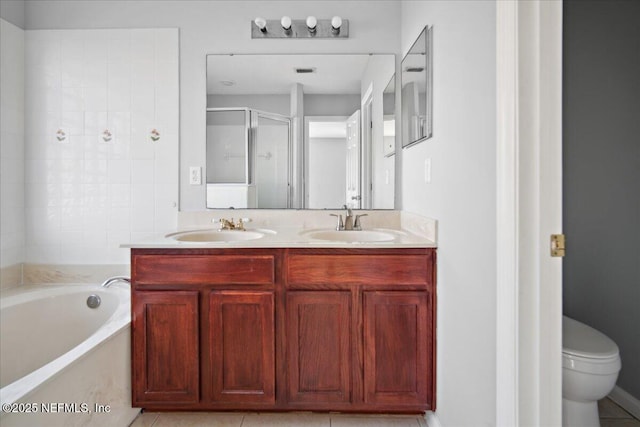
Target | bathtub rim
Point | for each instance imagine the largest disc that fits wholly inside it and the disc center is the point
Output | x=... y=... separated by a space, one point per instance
x=119 y=320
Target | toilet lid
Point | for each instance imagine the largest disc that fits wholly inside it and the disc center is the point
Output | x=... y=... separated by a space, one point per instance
x=581 y=340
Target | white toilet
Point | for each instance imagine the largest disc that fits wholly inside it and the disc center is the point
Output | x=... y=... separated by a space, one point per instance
x=590 y=366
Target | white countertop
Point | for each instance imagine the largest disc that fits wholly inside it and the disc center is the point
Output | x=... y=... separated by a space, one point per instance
x=296 y=229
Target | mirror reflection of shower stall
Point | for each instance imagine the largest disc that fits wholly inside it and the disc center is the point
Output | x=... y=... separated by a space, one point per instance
x=249 y=154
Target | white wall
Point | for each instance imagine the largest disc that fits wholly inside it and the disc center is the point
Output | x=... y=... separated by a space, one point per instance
x=84 y=196
x=220 y=27
x=327 y=173
x=11 y=144
x=462 y=196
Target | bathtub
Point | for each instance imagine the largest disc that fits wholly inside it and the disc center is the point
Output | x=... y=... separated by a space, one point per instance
x=63 y=363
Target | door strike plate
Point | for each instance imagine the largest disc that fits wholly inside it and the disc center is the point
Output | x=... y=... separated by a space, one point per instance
x=557 y=245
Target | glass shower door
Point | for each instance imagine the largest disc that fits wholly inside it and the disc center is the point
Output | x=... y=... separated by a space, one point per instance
x=271 y=148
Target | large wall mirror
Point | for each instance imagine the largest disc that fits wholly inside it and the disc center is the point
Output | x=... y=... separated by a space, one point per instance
x=299 y=131
x=417 y=91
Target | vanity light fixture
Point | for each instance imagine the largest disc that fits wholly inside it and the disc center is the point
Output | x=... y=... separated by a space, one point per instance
x=286 y=24
x=336 y=23
x=311 y=27
x=261 y=23
x=312 y=22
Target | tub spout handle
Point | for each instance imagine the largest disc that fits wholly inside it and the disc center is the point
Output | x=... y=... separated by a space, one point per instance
x=114 y=279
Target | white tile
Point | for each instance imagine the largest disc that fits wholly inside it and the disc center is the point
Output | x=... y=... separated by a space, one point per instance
x=142 y=217
x=141 y=147
x=95 y=171
x=119 y=195
x=71 y=194
x=166 y=74
x=166 y=44
x=72 y=99
x=119 y=219
x=166 y=97
x=119 y=98
x=95 y=121
x=142 y=195
x=71 y=218
x=120 y=122
x=95 y=99
x=95 y=196
x=142 y=45
x=119 y=49
x=73 y=122
x=119 y=172
x=168 y=120
x=72 y=72
x=142 y=172
x=72 y=45
x=142 y=120
x=142 y=72
x=94 y=73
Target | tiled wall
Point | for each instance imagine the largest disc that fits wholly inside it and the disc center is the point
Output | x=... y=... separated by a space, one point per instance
x=11 y=145
x=97 y=174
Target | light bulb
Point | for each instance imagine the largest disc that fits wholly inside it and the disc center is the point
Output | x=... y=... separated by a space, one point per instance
x=261 y=23
x=286 y=22
x=336 y=22
x=311 y=23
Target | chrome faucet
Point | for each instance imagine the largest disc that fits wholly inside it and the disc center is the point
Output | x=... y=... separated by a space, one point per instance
x=114 y=279
x=350 y=223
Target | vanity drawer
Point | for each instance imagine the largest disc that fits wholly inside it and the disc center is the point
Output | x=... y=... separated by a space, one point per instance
x=313 y=269
x=204 y=269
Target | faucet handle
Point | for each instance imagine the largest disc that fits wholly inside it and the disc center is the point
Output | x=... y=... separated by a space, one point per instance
x=340 y=225
x=356 y=223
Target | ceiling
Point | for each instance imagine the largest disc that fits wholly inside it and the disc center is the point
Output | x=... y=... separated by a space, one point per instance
x=275 y=74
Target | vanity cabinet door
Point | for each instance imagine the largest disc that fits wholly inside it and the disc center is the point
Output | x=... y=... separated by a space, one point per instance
x=397 y=348
x=242 y=347
x=319 y=347
x=165 y=347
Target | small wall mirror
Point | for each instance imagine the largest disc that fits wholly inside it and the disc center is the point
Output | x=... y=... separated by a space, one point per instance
x=300 y=131
x=417 y=91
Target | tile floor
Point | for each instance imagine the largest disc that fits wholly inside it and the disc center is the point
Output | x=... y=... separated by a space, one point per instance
x=229 y=419
x=611 y=415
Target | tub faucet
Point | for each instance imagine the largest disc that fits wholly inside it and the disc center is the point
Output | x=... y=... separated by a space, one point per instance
x=114 y=279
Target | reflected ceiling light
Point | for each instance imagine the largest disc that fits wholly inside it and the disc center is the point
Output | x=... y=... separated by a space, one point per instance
x=312 y=22
x=227 y=82
x=261 y=23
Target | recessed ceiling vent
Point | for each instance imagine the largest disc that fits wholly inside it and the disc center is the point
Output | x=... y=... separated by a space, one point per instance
x=305 y=70
x=414 y=69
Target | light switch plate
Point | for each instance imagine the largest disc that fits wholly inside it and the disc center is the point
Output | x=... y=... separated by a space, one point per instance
x=195 y=175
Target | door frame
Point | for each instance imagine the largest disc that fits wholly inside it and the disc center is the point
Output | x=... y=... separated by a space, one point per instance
x=529 y=209
x=305 y=166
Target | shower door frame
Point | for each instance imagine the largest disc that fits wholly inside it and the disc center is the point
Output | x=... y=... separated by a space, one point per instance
x=254 y=116
x=251 y=125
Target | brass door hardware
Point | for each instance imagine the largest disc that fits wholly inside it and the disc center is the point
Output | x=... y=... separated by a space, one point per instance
x=558 y=245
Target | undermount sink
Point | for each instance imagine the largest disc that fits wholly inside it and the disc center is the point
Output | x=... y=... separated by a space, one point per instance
x=351 y=236
x=206 y=236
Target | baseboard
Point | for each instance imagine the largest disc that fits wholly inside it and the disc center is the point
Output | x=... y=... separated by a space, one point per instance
x=625 y=400
x=432 y=419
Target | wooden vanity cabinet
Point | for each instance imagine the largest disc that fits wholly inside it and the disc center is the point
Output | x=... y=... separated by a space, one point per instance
x=203 y=328
x=348 y=330
x=372 y=312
